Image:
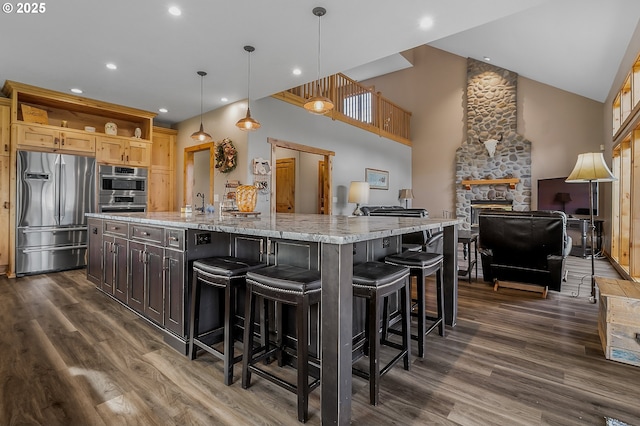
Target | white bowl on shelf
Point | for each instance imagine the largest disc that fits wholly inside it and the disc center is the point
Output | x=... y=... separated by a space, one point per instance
x=89 y=129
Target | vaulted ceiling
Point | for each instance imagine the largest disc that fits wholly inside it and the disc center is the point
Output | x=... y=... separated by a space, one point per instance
x=575 y=45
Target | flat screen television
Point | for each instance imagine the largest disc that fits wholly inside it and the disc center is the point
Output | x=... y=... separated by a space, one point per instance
x=572 y=198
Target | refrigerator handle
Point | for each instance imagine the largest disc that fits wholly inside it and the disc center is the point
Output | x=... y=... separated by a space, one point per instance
x=63 y=192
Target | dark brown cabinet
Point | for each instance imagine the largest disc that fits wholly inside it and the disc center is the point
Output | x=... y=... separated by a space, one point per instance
x=95 y=254
x=175 y=292
x=115 y=267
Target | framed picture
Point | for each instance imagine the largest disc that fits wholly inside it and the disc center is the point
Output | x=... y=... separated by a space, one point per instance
x=377 y=179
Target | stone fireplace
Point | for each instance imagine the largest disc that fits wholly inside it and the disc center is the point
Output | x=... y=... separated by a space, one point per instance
x=504 y=178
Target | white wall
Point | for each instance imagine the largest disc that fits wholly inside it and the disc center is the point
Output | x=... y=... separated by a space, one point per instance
x=355 y=150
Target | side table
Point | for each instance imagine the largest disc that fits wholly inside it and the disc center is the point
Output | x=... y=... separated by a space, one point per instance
x=619 y=319
x=466 y=238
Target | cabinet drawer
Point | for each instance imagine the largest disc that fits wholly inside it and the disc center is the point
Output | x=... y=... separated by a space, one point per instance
x=147 y=233
x=174 y=238
x=115 y=228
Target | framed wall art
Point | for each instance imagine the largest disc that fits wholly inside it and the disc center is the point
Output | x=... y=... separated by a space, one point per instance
x=377 y=179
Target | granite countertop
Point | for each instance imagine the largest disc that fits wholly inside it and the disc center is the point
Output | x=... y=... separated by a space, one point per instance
x=292 y=226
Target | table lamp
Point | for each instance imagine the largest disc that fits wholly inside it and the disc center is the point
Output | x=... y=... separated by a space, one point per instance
x=406 y=195
x=359 y=194
x=564 y=198
x=591 y=167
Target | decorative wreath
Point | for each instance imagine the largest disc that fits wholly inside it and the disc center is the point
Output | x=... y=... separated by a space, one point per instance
x=226 y=156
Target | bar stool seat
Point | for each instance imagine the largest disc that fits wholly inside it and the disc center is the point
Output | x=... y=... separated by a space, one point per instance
x=422 y=265
x=224 y=273
x=298 y=287
x=376 y=281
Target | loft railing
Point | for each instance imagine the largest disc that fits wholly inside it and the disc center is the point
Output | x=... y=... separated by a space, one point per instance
x=357 y=105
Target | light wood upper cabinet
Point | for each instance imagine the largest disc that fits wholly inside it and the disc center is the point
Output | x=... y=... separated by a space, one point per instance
x=162 y=170
x=56 y=140
x=5 y=176
x=5 y=124
x=120 y=151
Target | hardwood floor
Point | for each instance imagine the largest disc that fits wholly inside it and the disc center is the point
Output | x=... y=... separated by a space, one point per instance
x=70 y=355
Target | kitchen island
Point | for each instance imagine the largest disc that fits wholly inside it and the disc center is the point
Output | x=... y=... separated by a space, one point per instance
x=330 y=244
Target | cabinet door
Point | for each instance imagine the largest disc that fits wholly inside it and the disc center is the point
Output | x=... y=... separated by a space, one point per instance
x=154 y=291
x=110 y=150
x=4 y=212
x=95 y=256
x=39 y=137
x=137 y=276
x=162 y=149
x=108 y=271
x=120 y=284
x=5 y=131
x=138 y=154
x=174 y=287
x=75 y=141
x=160 y=191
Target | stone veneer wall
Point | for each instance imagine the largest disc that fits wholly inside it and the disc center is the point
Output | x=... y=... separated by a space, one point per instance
x=491 y=111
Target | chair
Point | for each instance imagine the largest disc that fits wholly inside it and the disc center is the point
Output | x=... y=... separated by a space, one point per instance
x=228 y=274
x=291 y=285
x=375 y=282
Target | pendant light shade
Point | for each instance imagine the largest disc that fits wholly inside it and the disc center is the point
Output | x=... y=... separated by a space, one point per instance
x=201 y=135
x=318 y=104
x=247 y=123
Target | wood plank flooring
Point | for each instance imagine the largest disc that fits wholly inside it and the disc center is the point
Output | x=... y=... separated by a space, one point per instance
x=70 y=355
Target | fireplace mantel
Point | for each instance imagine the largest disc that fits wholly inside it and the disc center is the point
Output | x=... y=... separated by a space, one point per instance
x=510 y=181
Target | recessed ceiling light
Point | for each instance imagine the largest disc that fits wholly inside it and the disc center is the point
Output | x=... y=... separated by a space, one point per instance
x=223 y=99
x=112 y=66
x=426 y=23
x=75 y=90
x=488 y=59
x=175 y=11
x=297 y=71
x=163 y=110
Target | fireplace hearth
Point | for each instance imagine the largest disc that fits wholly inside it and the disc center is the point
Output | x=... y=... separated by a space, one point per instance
x=479 y=205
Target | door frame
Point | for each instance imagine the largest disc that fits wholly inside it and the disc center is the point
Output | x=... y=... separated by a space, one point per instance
x=188 y=175
x=328 y=166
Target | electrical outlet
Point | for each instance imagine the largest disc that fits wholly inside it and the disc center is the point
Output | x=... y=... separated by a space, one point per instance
x=203 y=238
x=216 y=198
x=386 y=242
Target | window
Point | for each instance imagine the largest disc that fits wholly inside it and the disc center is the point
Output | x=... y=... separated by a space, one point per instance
x=358 y=107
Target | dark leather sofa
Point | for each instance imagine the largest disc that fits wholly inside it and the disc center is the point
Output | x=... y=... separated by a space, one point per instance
x=527 y=247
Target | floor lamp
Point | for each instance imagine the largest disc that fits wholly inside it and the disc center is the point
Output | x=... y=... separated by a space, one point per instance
x=591 y=168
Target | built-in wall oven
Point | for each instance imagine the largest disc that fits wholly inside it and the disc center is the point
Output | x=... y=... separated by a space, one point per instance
x=122 y=189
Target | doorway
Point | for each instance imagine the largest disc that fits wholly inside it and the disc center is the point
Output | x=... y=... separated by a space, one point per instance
x=324 y=186
x=195 y=159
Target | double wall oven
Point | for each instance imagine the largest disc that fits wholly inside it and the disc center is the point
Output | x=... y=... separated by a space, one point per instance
x=122 y=189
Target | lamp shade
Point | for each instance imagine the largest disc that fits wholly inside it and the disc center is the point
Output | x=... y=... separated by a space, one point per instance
x=591 y=167
x=563 y=197
x=406 y=194
x=359 y=192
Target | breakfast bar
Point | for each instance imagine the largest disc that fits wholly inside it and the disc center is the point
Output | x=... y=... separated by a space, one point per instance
x=333 y=244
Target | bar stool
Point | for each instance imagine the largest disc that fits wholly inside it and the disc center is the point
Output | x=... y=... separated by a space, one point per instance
x=228 y=274
x=290 y=285
x=376 y=281
x=422 y=265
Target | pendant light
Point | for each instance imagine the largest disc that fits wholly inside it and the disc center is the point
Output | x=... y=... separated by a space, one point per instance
x=318 y=104
x=247 y=123
x=201 y=135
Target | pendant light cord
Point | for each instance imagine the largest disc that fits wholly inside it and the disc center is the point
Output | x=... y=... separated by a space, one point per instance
x=201 y=96
x=249 y=81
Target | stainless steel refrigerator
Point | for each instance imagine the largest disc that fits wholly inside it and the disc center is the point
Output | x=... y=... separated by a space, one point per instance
x=54 y=191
